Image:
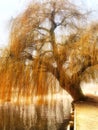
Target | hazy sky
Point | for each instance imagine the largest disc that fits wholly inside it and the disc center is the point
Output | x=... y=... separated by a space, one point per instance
x=9 y=9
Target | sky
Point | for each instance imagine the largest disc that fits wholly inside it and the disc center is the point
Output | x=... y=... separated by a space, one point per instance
x=10 y=8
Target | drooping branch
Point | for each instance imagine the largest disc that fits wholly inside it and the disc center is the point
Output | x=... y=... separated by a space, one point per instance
x=90 y=73
x=41 y=58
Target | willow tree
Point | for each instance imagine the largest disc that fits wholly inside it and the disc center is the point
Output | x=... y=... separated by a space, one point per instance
x=49 y=47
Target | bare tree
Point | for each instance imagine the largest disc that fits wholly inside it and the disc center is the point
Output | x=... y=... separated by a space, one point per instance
x=48 y=47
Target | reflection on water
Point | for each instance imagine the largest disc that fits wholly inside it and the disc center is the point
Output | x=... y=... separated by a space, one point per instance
x=49 y=116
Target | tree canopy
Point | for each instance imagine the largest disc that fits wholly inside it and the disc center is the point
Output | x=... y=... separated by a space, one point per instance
x=50 y=46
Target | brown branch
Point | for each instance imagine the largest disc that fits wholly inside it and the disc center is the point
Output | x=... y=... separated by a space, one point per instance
x=88 y=70
x=45 y=29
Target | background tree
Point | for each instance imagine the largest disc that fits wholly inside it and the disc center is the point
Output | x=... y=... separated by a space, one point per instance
x=49 y=47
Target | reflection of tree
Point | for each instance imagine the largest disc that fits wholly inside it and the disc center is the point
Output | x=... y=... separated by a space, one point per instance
x=41 y=57
x=23 y=117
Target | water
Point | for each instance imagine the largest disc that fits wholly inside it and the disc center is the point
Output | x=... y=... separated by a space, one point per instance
x=48 y=116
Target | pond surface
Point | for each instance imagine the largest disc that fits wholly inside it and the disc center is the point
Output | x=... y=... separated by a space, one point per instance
x=49 y=116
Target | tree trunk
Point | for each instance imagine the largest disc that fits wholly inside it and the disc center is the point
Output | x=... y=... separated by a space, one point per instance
x=75 y=92
x=71 y=86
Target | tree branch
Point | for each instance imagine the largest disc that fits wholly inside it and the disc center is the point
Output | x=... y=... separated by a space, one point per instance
x=45 y=29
